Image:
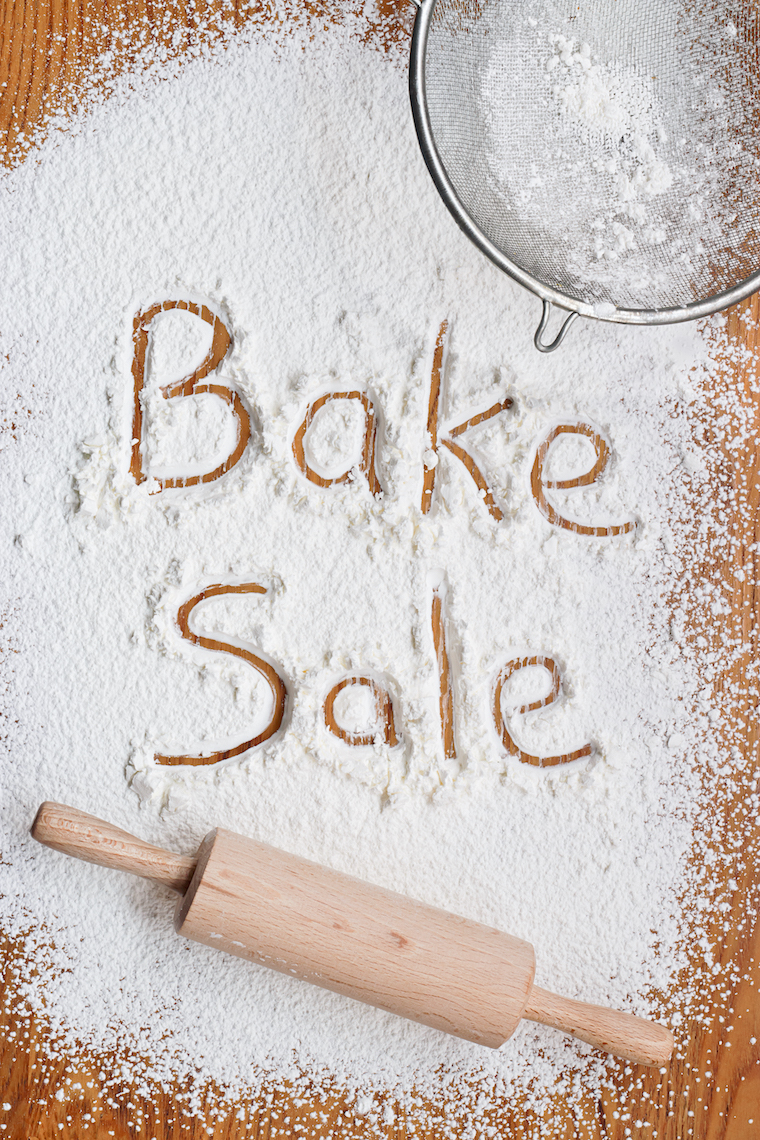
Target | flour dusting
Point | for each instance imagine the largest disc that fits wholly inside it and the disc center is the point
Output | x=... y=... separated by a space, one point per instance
x=619 y=142
x=278 y=183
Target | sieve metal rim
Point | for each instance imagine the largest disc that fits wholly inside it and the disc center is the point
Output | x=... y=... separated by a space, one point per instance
x=546 y=293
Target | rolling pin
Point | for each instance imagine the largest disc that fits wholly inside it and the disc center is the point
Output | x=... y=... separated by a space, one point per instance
x=368 y=943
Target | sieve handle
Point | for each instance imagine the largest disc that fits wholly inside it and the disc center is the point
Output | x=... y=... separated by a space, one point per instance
x=539 y=343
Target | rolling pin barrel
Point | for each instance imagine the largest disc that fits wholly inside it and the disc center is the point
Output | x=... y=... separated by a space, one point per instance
x=360 y=940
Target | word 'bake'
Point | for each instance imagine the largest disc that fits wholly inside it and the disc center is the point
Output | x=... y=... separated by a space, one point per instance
x=198 y=383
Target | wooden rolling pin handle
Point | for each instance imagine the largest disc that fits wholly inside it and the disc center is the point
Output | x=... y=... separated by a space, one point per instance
x=633 y=1038
x=86 y=837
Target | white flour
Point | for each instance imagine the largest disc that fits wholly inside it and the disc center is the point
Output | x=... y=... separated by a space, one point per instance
x=280 y=183
x=619 y=147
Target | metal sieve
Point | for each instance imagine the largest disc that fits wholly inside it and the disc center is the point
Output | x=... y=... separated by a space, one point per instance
x=479 y=81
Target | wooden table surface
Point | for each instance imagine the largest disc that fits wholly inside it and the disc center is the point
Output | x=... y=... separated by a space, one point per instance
x=711 y=1091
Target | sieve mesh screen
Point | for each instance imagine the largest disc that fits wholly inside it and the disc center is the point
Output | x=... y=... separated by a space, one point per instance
x=624 y=172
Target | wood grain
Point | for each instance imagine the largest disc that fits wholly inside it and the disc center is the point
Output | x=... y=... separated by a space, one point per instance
x=191 y=385
x=500 y=720
x=366 y=465
x=277 y=688
x=434 y=400
x=711 y=1091
x=82 y=836
x=445 y=690
x=611 y=1030
x=539 y=485
x=357 y=939
x=384 y=727
x=436 y=439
